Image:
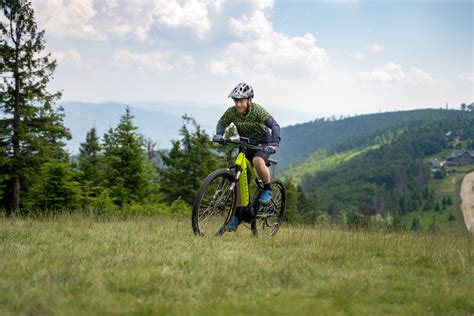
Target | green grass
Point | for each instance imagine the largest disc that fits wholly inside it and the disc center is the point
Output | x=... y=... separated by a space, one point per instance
x=154 y=265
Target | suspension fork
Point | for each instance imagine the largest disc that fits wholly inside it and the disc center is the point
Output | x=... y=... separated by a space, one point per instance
x=232 y=188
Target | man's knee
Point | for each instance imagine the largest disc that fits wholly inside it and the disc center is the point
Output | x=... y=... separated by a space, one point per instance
x=258 y=162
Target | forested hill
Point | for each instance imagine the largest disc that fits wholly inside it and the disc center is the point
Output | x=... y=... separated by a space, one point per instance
x=298 y=141
x=390 y=178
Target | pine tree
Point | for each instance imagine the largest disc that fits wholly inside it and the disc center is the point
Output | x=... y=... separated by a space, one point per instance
x=449 y=201
x=291 y=211
x=92 y=167
x=189 y=161
x=128 y=173
x=32 y=130
x=90 y=157
x=57 y=188
x=451 y=217
x=415 y=224
x=433 y=228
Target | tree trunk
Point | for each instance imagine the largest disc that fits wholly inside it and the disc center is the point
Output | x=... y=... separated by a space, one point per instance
x=15 y=205
x=16 y=137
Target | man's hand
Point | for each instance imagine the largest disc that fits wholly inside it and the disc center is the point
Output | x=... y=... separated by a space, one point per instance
x=271 y=149
x=218 y=138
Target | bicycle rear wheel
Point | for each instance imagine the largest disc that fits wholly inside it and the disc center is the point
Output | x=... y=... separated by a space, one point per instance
x=268 y=218
x=214 y=203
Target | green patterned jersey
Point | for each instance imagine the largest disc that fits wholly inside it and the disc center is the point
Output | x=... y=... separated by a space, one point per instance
x=257 y=125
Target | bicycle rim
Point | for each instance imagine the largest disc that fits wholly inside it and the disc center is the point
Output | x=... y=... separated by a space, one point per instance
x=269 y=217
x=214 y=204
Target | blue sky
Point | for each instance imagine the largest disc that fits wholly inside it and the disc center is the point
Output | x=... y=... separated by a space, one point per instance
x=321 y=57
x=428 y=33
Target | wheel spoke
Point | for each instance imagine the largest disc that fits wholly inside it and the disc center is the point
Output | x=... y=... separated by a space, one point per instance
x=271 y=216
x=211 y=212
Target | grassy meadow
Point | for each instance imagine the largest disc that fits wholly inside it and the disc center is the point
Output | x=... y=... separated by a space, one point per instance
x=77 y=264
x=450 y=186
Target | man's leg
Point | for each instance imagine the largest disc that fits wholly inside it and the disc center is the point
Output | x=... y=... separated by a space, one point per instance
x=262 y=169
x=264 y=174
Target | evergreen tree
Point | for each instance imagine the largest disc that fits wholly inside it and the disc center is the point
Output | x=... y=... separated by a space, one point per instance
x=57 y=188
x=291 y=211
x=90 y=157
x=31 y=129
x=91 y=165
x=443 y=201
x=128 y=173
x=189 y=161
x=449 y=201
x=415 y=224
x=433 y=228
x=451 y=217
x=150 y=148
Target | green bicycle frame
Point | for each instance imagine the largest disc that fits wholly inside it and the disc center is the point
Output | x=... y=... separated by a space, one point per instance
x=242 y=176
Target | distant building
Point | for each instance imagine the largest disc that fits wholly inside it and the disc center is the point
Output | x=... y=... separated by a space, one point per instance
x=452 y=136
x=435 y=165
x=460 y=158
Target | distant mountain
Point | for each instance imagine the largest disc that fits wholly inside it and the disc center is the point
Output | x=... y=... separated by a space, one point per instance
x=208 y=114
x=80 y=117
x=159 y=120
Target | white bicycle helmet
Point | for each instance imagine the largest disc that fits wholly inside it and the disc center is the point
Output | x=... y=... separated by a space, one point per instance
x=241 y=91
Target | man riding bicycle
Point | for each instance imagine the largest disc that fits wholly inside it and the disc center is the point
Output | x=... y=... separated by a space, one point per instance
x=254 y=122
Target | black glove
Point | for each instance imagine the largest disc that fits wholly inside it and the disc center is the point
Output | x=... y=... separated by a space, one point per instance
x=218 y=138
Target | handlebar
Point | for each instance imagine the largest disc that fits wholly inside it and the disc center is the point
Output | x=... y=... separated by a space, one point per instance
x=244 y=142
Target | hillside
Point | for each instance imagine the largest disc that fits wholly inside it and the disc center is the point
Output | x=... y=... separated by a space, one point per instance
x=78 y=265
x=299 y=141
x=322 y=160
x=449 y=217
x=356 y=187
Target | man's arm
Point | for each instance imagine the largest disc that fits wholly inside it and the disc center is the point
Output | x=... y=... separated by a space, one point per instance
x=274 y=127
x=220 y=129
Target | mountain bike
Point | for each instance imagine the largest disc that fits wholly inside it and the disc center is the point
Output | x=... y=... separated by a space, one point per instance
x=227 y=190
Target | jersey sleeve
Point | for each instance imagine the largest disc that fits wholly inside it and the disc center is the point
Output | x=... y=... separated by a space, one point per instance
x=223 y=123
x=274 y=127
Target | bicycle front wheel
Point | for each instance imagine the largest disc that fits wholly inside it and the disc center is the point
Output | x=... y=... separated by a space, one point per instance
x=214 y=204
x=268 y=218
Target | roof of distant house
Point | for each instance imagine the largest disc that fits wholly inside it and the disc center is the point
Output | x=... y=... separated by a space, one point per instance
x=459 y=153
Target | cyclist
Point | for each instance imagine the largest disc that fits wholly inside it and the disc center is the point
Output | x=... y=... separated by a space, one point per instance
x=254 y=122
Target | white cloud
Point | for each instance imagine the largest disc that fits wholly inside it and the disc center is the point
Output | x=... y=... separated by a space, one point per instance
x=70 y=56
x=102 y=20
x=419 y=75
x=192 y=14
x=260 y=48
x=375 y=48
x=394 y=73
x=358 y=55
x=155 y=61
x=217 y=67
x=67 y=18
x=466 y=76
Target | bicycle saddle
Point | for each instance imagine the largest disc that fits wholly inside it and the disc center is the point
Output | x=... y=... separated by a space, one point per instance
x=271 y=162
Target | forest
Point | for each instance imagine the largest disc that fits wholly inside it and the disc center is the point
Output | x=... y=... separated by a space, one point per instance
x=123 y=171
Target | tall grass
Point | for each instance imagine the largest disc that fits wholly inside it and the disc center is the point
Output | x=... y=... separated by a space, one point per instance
x=83 y=265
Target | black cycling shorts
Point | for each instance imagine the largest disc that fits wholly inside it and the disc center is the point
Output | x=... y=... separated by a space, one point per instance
x=251 y=153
